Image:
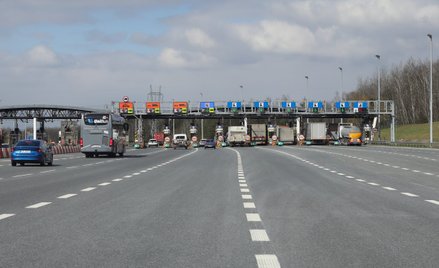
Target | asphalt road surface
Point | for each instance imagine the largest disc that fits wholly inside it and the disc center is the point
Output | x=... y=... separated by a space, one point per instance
x=310 y=206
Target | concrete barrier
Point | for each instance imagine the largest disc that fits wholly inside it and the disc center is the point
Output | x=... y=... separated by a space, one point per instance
x=57 y=149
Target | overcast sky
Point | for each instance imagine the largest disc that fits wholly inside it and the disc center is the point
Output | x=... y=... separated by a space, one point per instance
x=92 y=52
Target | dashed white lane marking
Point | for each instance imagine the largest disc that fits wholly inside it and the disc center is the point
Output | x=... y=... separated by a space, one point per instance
x=416 y=171
x=245 y=190
x=104 y=184
x=143 y=171
x=409 y=194
x=149 y=169
x=47 y=171
x=373 y=184
x=428 y=173
x=404 y=168
x=259 y=235
x=4 y=216
x=128 y=176
x=341 y=174
x=87 y=165
x=360 y=180
x=22 y=175
x=433 y=202
x=38 y=205
x=243 y=181
x=66 y=196
x=88 y=189
x=72 y=167
x=117 y=180
x=267 y=261
x=253 y=217
x=136 y=174
x=243 y=185
x=249 y=205
x=389 y=188
x=246 y=196
x=350 y=177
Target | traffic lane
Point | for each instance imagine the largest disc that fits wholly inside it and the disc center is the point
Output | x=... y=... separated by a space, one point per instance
x=421 y=161
x=408 y=175
x=24 y=191
x=316 y=218
x=187 y=213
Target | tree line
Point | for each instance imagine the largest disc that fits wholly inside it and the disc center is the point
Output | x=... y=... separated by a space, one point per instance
x=408 y=85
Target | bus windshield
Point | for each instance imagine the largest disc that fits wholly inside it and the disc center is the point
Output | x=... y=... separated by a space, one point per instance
x=96 y=119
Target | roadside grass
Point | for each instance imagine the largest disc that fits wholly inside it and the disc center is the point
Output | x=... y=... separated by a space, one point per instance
x=412 y=133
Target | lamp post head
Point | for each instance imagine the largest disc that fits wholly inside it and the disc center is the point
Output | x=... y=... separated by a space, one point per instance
x=378 y=56
x=306 y=77
x=430 y=36
x=341 y=69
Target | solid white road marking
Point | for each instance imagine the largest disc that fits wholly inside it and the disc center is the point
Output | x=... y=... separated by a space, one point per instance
x=48 y=171
x=253 y=217
x=246 y=196
x=410 y=194
x=249 y=205
x=433 y=202
x=4 y=216
x=38 y=205
x=88 y=189
x=117 y=180
x=259 y=235
x=267 y=261
x=245 y=190
x=66 y=196
x=104 y=184
x=22 y=175
x=389 y=188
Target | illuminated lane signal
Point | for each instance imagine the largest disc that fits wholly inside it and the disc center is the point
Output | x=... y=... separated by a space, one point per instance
x=342 y=106
x=207 y=107
x=153 y=107
x=315 y=106
x=261 y=106
x=180 y=107
x=288 y=106
x=234 y=106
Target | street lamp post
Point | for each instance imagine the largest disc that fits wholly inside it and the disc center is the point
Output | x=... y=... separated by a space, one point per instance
x=341 y=96
x=379 y=96
x=431 y=88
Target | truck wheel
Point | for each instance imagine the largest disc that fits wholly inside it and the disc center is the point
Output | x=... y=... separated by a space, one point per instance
x=13 y=163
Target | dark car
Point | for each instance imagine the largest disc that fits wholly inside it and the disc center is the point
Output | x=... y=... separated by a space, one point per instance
x=210 y=144
x=31 y=151
x=202 y=143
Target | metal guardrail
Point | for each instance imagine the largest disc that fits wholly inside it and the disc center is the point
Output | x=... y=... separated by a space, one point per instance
x=407 y=144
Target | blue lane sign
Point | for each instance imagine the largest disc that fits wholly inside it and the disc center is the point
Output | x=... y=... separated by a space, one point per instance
x=291 y=104
x=362 y=104
x=234 y=104
x=339 y=104
x=207 y=107
x=260 y=104
x=318 y=105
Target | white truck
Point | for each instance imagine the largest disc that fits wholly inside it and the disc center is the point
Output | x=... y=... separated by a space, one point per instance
x=316 y=133
x=237 y=135
x=180 y=140
x=258 y=134
x=286 y=135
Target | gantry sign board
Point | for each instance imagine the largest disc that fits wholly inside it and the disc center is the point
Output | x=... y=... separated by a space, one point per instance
x=180 y=107
x=207 y=107
x=344 y=104
x=261 y=106
x=234 y=106
x=288 y=106
x=360 y=107
x=153 y=107
x=126 y=106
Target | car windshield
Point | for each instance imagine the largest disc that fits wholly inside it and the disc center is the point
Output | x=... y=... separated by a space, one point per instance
x=28 y=143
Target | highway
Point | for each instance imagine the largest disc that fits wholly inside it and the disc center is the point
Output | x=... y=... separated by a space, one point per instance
x=290 y=206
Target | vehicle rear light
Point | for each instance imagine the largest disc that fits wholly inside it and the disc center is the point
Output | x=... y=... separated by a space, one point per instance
x=12 y=149
x=81 y=142
x=111 y=141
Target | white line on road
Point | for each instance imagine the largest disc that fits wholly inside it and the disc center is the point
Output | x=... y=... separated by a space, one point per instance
x=350 y=177
x=410 y=194
x=38 y=205
x=360 y=180
x=246 y=196
x=389 y=188
x=249 y=205
x=267 y=261
x=88 y=189
x=433 y=202
x=72 y=167
x=66 y=196
x=4 y=216
x=136 y=174
x=253 y=217
x=243 y=185
x=22 y=175
x=104 y=184
x=341 y=174
x=128 y=176
x=48 y=171
x=259 y=235
x=245 y=190
x=243 y=181
x=373 y=183
x=117 y=180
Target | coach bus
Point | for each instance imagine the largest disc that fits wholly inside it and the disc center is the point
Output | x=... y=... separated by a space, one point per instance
x=103 y=134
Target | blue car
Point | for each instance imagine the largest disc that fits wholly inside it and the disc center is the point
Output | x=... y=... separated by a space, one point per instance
x=210 y=144
x=31 y=151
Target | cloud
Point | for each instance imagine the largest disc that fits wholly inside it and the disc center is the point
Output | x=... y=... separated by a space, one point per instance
x=170 y=57
x=42 y=56
x=106 y=38
x=173 y=58
x=277 y=37
x=199 y=38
